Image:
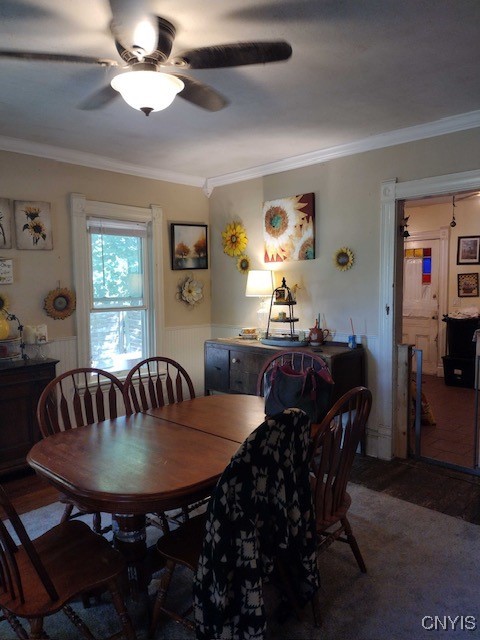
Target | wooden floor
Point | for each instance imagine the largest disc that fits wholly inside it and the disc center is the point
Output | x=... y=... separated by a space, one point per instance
x=28 y=491
x=450 y=492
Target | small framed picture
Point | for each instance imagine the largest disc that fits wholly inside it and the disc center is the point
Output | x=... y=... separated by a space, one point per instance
x=468 y=251
x=468 y=285
x=189 y=246
x=6 y=271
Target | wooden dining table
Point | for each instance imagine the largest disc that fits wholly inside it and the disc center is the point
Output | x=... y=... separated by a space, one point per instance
x=148 y=462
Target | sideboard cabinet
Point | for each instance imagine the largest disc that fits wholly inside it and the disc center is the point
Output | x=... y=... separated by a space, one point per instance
x=21 y=383
x=233 y=365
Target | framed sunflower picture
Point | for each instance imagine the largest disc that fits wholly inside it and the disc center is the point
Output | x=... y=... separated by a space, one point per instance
x=289 y=228
x=33 y=227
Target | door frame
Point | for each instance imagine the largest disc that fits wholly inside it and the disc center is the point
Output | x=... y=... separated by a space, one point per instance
x=442 y=234
x=390 y=291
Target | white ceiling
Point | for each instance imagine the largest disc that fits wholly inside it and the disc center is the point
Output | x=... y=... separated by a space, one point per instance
x=360 y=70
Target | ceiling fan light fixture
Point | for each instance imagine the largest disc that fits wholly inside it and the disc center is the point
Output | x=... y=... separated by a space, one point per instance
x=147 y=91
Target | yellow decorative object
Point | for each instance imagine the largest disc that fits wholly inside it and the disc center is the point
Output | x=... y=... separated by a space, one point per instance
x=4 y=327
x=234 y=239
x=60 y=303
x=243 y=264
x=343 y=259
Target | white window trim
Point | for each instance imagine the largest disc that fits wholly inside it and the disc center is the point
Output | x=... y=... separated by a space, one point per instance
x=80 y=209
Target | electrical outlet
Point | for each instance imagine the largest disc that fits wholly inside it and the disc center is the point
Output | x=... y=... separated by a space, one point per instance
x=456 y=302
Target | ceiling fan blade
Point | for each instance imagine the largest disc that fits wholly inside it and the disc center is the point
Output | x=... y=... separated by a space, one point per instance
x=99 y=99
x=56 y=57
x=201 y=94
x=233 y=55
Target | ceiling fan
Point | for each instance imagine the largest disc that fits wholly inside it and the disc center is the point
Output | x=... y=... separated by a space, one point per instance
x=145 y=47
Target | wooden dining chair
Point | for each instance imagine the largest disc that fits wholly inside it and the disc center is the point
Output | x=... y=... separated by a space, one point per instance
x=156 y=382
x=40 y=577
x=74 y=399
x=332 y=455
x=260 y=518
x=300 y=361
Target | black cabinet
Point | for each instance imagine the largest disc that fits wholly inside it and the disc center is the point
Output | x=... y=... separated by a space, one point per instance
x=459 y=364
x=21 y=383
x=232 y=366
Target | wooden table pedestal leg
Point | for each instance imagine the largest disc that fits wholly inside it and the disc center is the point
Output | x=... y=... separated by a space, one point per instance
x=129 y=537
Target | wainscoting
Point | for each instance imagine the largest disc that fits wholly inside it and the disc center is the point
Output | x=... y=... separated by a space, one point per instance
x=183 y=344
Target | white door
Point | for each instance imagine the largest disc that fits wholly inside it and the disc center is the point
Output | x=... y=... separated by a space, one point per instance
x=420 y=299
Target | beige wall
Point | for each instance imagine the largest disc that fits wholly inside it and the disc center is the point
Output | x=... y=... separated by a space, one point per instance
x=347 y=200
x=37 y=272
x=347 y=196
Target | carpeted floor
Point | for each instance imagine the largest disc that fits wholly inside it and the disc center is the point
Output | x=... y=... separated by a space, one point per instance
x=421 y=564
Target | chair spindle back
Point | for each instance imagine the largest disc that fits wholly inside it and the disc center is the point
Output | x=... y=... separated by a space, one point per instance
x=334 y=448
x=156 y=382
x=299 y=361
x=79 y=397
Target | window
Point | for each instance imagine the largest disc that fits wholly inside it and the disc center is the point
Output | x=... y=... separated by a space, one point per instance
x=119 y=309
x=119 y=304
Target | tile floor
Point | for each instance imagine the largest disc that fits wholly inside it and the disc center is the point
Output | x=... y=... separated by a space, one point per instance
x=451 y=439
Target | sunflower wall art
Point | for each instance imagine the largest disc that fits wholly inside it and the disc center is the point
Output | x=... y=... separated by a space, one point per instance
x=234 y=239
x=33 y=225
x=343 y=259
x=289 y=228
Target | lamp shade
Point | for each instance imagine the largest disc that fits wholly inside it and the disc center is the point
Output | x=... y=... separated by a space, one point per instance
x=259 y=283
x=147 y=90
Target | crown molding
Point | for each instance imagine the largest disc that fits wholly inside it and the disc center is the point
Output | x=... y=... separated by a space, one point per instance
x=440 y=127
x=93 y=161
x=444 y=126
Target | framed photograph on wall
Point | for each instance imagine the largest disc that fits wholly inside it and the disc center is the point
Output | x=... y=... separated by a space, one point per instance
x=468 y=285
x=468 y=251
x=189 y=246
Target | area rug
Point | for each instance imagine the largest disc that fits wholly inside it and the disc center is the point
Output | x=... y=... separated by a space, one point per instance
x=422 y=581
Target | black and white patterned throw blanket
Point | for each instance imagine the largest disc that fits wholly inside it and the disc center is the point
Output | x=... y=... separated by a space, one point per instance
x=261 y=509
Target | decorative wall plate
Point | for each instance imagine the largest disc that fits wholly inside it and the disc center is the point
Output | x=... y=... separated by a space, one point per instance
x=343 y=259
x=60 y=303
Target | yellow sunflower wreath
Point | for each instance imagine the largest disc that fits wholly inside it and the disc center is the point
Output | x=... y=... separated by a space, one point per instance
x=60 y=303
x=234 y=239
x=243 y=264
x=343 y=259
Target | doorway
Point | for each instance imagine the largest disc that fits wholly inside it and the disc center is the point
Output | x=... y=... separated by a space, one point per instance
x=446 y=432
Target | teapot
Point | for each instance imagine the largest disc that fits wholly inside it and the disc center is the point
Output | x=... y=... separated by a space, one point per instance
x=317 y=335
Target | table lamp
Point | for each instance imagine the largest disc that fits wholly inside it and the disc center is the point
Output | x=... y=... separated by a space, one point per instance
x=260 y=285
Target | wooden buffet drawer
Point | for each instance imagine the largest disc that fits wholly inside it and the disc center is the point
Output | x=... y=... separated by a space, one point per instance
x=243 y=371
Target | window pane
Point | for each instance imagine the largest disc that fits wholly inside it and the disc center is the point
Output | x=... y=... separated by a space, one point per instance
x=117 y=339
x=117 y=271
